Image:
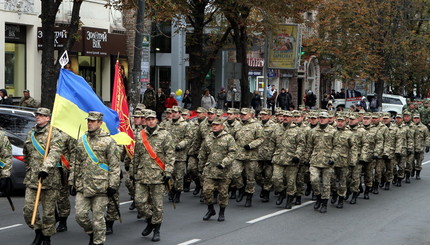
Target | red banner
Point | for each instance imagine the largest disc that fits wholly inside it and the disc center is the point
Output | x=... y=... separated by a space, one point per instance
x=120 y=105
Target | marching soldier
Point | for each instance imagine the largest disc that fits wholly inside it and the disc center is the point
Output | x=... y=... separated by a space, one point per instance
x=168 y=120
x=231 y=126
x=410 y=147
x=216 y=155
x=95 y=177
x=401 y=151
x=422 y=143
x=380 y=156
x=45 y=170
x=5 y=164
x=153 y=161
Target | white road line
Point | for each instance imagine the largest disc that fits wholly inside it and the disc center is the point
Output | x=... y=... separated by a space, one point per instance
x=278 y=213
x=11 y=226
x=190 y=242
x=122 y=203
x=424 y=163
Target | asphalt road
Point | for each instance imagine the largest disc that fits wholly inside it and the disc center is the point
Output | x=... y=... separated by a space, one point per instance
x=396 y=217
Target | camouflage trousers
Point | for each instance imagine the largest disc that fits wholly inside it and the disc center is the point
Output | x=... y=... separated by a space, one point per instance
x=419 y=158
x=410 y=163
x=97 y=205
x=236 y=177
x=379 y=169
x=338 y=180
x=48 y=198
x=368 y=173
x=111 y=211
x=284 y=177
x=320 y=179
x=192 y=168
x=387 y=168
x=264 y=178
x=356 y=177
x=302 y=178
x=63 y=202
x=130 y=186
x=178 y=175
x=149 y=201
x=251 y=172
x=212 y=185
x=399 y=167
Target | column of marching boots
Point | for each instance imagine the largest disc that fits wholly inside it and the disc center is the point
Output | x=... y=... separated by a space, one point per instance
x=211 y=212
x=40 y=239
x=336 y=198
x=152 y=228
x=321 y=204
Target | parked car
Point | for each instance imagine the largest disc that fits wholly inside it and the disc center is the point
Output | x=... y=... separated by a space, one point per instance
x=390 y=103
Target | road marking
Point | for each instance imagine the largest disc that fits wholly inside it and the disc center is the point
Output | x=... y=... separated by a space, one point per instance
x=424 y=163
x=190 y=242
x=278 y=213
x=122 y=203
x=11 y=226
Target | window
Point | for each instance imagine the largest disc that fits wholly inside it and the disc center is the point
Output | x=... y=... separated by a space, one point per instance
x=391 y=101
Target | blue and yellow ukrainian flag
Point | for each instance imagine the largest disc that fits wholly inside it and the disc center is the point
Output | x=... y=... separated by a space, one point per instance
x=74 y=99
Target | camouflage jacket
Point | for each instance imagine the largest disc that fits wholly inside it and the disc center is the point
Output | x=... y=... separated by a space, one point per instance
x=422 y=137
x=216 y=150
x=306 y=130
x=249 y=134
x=181 y=138
x=410 y=136
x=149 y=99
x=93 y=178
x=358 y=144
x=5 y=156
x=381 y=142
x=203 y=130
x=368 y=143
x=232 y=128
x=144 y=169
x=34 y=162
x=344 y=149
x=28 y=102
x=166 y=124
x=321 y=143
x=267 y=148
x=425 y=115
x=192 y=129
x=289 y=144
x=394 y=141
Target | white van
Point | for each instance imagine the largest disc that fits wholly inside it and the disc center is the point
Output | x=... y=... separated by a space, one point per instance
x=390 y=103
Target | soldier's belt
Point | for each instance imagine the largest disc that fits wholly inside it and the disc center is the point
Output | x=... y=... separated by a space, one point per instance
x=92 y=155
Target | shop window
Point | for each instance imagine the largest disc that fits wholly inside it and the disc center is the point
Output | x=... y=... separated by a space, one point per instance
x=161 y=41
x=14 y=68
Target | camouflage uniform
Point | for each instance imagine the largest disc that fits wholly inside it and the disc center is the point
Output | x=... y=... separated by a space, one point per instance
x=381 y=157
x=422 y=140
x=393 y=148
x=28 y=102
x=150 y=99
x=34 y=164
x=149 y=176
x=399 y=166
x=425 y=114
x=361 y=144
x=5 y=156
x=410 y=145
x=93 y=180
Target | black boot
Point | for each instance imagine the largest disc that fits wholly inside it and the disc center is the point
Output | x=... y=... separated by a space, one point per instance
x=211 y=212
x=38 y=237
x=91 y=239
x=399 y=182
x=187 y=186
x=308 y=189
x=177 y=197
x=241 y=193
x=317 y=204
x=334 y=198
x=62 y=225
x=413 y=173
x=233 y=193
x=148 y=229
x=380 y=184
x=360 y=188
x=298 y=200
x=340 y=202
x=418 y=172
x=313 y=198
x=172 y=195
x=387 y=186
x=324 y=206
x=354 y=198
x=366 y=192
x=198 y=187
x=375 y=188
x=281 y=197
x=408 y=180
x=156 y=236
x=289 y=204
x=248 y=202
x=109 y=227
x=132 y=206
x=46 y=240
x=348 y=193
x=262 y=193
x=221 y=217
x=266 y=196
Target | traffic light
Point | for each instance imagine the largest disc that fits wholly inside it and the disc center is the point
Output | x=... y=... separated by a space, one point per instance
x=302 y=50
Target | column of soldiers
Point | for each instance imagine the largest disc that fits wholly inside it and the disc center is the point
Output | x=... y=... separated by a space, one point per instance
x=292 y=153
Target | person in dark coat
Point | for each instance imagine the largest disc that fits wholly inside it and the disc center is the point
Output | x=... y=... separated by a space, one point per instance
x=283 y=100
x=160 y=106
x=311 y=100
x=256 y=101
x=4 y=99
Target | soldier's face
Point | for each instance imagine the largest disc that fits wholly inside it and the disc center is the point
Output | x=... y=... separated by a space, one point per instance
x=168 y=115
x=143 y=121
x=151 y=122
x=265 y=116
x=217 y=127
x=137 y=121
x=93 y=125
x=245 y=117
x=231 y=116
x=399 y=120
x=367 y=120
x=341 y=123
x=313 y=120
x=298 y=119
x=201 y=115
x=324 y=120
x=211 y=116
x=417 y=120
x=353 y=121
x=26 y=94
x=176 y=114
x=375 y=120
x=186 y=116
x=42 y=120
x=280 y=118
x=407 y=118
x=386 y=120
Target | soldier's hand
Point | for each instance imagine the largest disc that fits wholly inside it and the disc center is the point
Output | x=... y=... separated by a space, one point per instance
x=398 y=156
x=295 y=160
x=72 y=191
x=42 y=175
x=110 y=191
x=219 y=166
x=166 y=179
x=247 y=147
x=330 y=162
x=385 y=157
x=178 y=148
x=409 y=153
x=427 y=149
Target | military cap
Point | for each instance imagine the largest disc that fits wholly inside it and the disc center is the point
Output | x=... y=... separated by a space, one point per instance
x=218 y=121
x=169 y=110
x=237 y=110
x=185 y=111
x=138 y=113
x=212 y=110
x=26 y=91
x=95 y=115
x=140 y=106
x=426 y=101
x=296 y=113
x=375 y=115
x=353 y=116
x=362 y=111
x=219 y=112
x=150 y=114
x=331 y=113
x=416 y=115
x=43 y=111
x=312 y=115
x=407 y=113
x=278 y=111
x=176 y=108
x=265 y=111
x=341 y=116
x=386 y=115
x=367 y=115
x=231 y=111
x=245 y=111
x=286 y=113
x=301 y=107
x=399 y=115
x=323 y=114
x=201 y=110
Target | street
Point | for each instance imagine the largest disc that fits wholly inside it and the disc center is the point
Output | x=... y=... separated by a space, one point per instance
x=395 y=217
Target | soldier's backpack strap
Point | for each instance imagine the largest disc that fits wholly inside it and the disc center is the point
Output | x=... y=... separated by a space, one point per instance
x=150 y=151
x=39 y=148
x=92 y=155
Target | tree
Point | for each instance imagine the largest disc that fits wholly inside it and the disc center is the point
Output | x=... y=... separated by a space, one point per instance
x=50 y=68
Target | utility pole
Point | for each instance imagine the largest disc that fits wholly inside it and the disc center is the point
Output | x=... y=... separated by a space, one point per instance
x=138 y=44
